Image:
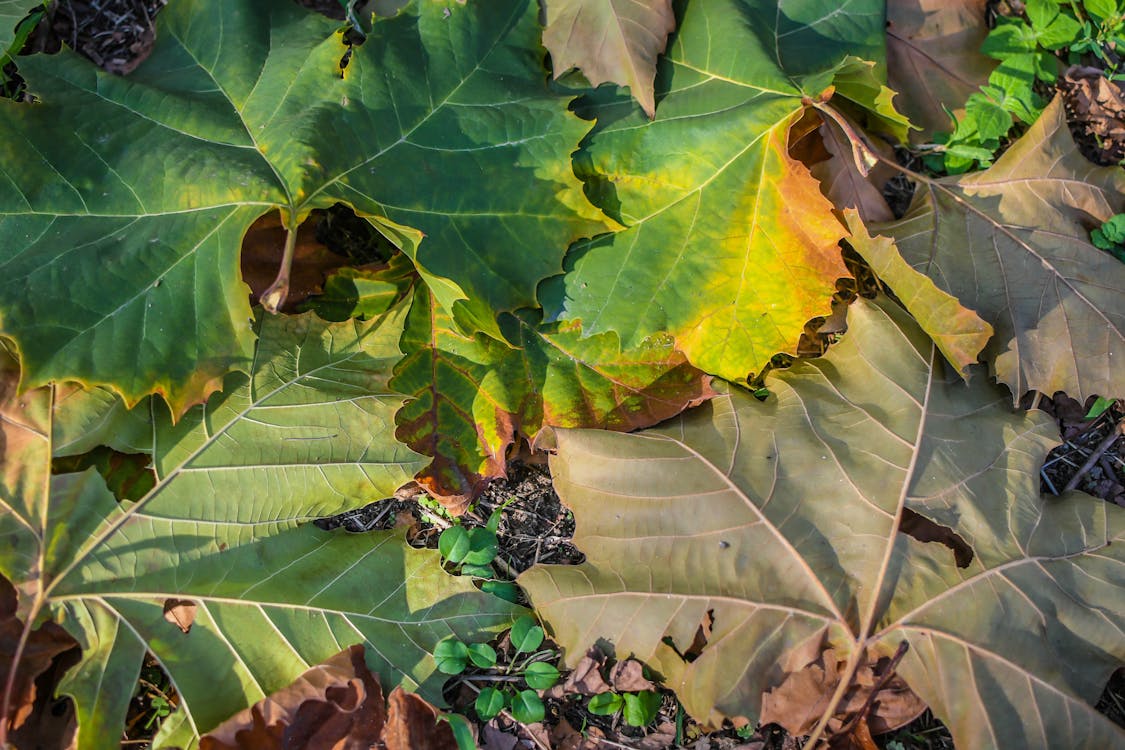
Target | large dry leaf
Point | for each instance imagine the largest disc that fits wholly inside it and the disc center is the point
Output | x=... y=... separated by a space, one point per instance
x=217 y=570
x=124 y=201
x=783 y=522
x=934 y=59
x=1013 y=244
x=730 y=247
x=610 y=40
x=474 y=396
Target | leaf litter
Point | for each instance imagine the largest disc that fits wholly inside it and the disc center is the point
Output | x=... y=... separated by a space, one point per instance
x=1081 y=443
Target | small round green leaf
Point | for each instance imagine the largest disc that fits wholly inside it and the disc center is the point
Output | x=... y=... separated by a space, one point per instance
x=527 y=708
x=605 y=704
x=477 y=571
x=540 y=675
x=640 y=708
x=451 y=656
x=483 y=655
x=489 y=703
x=453 y=544
x=509 y=592
x=483 y=547
x=526 y=635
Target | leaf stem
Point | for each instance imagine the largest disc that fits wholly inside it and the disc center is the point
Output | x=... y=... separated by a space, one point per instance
x=273 y=298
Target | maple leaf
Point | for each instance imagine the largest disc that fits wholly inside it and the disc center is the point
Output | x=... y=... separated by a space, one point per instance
x=1013 y=244
x=610 y=40
x=474 y=396
x=729 y=246
x=934 y=59
x=770 y=525
x=124 y=201
x=216 y=570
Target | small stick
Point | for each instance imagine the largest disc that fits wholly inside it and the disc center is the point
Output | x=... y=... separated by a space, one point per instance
x=1047 y=479
x=1103 y=446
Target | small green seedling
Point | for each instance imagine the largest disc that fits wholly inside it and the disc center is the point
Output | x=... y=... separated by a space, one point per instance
x=1110 y=237
x=1100 y=406
x=637 y=709
x=453 y=657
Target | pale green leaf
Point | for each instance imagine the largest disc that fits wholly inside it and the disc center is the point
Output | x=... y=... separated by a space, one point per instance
x=308 y=434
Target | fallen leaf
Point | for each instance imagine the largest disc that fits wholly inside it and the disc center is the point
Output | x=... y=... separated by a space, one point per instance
x=628 y=677
x=842 y=182
x=958 y=331
x=412 y=724
x=1097 y=105
x=180 y=612
x=262 y=249
x=1013 y=244
x=585 y=678
x=781 y=519
x=610 y=40
x=934 y=59
x=335 y=705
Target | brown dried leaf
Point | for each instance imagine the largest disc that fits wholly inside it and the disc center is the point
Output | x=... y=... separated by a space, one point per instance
x=1098 y=106
x=336 y=705
x=842 y=182
x=180 y=612
x=263 y=247
x=628 y=677
x=804 y=695
x=585 y=679
x=934 y=58
x=412 y=724
x=44 y=646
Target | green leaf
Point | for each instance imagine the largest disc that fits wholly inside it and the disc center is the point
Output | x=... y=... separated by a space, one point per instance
x=1100 y=406
x=540 y=675
x=1012 y=243
x=141 y=188
x=228 y=531
x=640 y=708
x=482 y=655
x=483 y=547
x=1102 y=9
x=478 y=571
x=462 y=730
x=363 y=292
x=453 y=544
x=605 y=704
x=475 y=395
x=11 y=12
x=783 y=531
x=730 y=247
x=451 y=656
x=489 y=703
x=614 y=41
x=992 y=120
x=526 y=635
x=505 y=590
x=1110 y=234
x=527 y=708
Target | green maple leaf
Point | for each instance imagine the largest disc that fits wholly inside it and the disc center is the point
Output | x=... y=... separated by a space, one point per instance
x=309 y=433
x=730 y=247
x=123 y=202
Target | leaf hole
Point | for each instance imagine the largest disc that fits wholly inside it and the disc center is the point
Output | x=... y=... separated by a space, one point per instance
x=925 y=530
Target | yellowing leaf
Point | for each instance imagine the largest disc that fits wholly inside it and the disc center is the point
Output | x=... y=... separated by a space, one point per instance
x=776 y=528
x=959 y=332
x=1013 y=244
x=729 y=246
x=610 y=40
x=475 y=396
